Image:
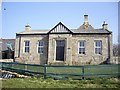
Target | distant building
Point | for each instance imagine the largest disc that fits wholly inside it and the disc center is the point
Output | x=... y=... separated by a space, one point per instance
x=7 y=47
x=61 y=45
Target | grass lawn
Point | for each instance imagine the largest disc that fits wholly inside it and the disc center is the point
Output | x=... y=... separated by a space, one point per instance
x=34 y=82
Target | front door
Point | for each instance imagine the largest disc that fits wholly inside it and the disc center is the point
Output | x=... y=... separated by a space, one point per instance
x=60 y=46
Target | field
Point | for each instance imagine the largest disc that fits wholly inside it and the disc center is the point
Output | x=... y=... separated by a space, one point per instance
x=34 y=82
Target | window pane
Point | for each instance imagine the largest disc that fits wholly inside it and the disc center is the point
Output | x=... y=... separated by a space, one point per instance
x=26 y=49
x=40 y=43
x=81 y=50
x=40 y=46
x=98 y=43
x=26 y=43
x=82 y=43
x=98 y=50
x=40 y=49
x=98 y=47
x=82 y=47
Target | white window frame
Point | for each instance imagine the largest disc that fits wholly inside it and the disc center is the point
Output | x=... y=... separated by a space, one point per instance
x=26 y=46
x=40 y=46
x=98 y=47
x=82 y=47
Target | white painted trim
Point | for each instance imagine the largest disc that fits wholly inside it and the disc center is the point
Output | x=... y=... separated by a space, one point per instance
x=40 y=46
x=24 y=46
x=95 y=46
x=84 y=46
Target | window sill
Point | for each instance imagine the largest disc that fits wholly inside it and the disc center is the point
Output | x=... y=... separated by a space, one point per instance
x=82 y=54
x=40 y=53
x=98 y=54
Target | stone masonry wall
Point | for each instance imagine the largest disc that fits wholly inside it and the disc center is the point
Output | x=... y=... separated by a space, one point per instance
x=71 y=56
x=89 y=57
x=32 y=57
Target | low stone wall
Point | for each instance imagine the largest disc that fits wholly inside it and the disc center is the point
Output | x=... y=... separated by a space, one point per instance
x=6 y=60
x=116 y=60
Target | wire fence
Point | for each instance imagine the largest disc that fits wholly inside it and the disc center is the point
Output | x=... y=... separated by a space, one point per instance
x=63 y=72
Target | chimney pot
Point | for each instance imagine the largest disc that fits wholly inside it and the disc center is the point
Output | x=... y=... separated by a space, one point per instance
x=27 y=27
x=105 y=26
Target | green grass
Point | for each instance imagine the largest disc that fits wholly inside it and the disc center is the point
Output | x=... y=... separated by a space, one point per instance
x=33 y=82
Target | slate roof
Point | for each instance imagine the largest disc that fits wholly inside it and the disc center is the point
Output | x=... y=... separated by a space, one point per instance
x=99 y=31
x=34 y=32
x=80 y=30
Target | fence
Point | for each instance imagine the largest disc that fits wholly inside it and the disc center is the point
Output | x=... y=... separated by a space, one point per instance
x=63 y=72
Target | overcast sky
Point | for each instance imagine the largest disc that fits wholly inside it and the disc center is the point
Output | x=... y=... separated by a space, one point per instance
x=45 y=15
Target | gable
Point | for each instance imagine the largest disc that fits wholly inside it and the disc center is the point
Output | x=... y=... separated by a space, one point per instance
x=60 y=28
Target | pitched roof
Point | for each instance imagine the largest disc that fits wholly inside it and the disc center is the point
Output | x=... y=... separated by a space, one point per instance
x=34 y=32
x=60 y=28
x=84 y=31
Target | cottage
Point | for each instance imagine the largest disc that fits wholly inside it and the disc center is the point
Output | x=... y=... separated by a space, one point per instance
x=61 y=45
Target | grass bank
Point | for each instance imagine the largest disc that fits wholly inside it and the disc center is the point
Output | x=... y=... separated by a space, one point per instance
x=33 y=82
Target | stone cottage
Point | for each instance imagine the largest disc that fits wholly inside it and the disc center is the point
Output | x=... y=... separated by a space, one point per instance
x=64 y=46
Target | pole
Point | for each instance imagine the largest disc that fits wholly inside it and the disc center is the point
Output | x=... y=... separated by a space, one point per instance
x=45 y=71
x=82 y=72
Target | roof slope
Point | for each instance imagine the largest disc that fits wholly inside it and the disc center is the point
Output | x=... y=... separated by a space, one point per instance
x=34 y=32
x=60 y=28
x=99 y=31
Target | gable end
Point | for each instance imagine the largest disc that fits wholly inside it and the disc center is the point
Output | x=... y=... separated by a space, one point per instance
x=60 y=28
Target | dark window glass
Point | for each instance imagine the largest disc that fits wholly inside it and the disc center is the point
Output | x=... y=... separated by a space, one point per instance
x=98 y=47
x=40 y=46
x=27 y=46
x=82 y=47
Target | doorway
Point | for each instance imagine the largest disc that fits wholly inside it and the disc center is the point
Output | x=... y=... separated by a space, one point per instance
x=60 y=47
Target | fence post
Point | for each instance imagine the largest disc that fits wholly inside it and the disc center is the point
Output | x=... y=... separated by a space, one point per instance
x=11 y=64
x=1 y=65
x=45 y=71
x=83 y=72
x=25 y=65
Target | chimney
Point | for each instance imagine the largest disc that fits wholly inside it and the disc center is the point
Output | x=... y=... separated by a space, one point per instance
x=27 y=27
x=86 y=19
x=105 y=26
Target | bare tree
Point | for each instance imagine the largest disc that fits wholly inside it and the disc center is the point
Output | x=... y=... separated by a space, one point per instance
x=115 y=49
x=118 y=50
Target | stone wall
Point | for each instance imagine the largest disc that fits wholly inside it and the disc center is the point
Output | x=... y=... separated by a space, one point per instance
x=33 y=56
x=89 y=57
x=71 y=56
x=115 y=60
x=52 y=48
